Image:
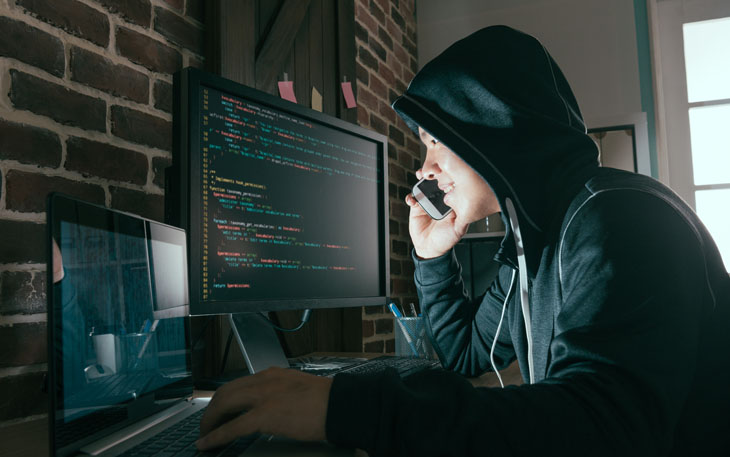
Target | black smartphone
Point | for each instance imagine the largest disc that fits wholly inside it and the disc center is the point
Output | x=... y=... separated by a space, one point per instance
x=431 y=198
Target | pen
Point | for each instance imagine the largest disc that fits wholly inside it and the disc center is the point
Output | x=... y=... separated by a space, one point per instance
x=404 y=329
x=413 y=310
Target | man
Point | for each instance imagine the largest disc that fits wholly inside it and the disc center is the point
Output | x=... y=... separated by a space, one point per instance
x=611 y=293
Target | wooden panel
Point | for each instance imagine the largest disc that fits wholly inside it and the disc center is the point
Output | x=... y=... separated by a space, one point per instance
x=279 y=42
x=329 y=57
x=316 y=64
x=232 y=39
x=346 y=55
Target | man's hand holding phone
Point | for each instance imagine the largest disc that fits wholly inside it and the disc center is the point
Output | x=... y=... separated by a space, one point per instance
x=433 y=234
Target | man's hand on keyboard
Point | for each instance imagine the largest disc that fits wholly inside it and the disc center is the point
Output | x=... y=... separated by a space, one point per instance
x=278 y=401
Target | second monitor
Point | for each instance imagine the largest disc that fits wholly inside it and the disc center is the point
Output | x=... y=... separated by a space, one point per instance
x=285 y=207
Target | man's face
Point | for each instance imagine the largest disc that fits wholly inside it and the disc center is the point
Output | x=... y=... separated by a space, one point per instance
x=466 y=192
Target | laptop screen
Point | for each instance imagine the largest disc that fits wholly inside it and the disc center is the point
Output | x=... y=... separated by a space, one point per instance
x=118 y=337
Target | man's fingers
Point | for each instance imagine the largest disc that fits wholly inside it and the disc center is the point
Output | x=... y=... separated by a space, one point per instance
x=228 y=432
x=236 y=396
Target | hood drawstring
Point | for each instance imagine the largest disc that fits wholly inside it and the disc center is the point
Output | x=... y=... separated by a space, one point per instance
x=524 y=288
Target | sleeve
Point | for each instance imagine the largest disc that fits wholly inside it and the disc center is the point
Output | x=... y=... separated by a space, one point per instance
x=629 y=314
x=462 y=330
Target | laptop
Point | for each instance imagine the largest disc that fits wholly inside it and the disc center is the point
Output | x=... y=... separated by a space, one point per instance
x=119 y=354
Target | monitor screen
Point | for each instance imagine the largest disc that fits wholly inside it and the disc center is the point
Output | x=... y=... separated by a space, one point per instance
x=117 y=332
x=285 y=207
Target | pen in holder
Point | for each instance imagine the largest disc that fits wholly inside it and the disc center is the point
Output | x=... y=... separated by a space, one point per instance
x=411 y=338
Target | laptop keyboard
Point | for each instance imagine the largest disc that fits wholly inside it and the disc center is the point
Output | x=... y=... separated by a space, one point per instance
x=405 y=366
x=179 y=441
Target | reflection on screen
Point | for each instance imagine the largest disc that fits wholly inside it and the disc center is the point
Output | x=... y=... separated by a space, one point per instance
x=111 y=345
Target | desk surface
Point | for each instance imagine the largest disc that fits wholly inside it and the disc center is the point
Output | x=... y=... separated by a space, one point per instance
x=31 y=438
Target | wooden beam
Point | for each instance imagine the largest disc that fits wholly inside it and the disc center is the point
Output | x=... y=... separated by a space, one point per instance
x=279 y=43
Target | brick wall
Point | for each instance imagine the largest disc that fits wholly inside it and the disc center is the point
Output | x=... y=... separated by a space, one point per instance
x=85 y=101
x=385 y=39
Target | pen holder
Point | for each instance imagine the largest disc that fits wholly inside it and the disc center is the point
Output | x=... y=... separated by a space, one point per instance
x=411 y=338
x=139 y=351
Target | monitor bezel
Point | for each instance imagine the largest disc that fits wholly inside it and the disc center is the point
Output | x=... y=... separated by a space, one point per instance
x=183 y=198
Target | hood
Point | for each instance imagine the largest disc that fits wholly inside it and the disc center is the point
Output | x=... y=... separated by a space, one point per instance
x=498 y=100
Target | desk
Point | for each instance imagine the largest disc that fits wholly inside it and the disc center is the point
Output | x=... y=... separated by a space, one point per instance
x=31 y=438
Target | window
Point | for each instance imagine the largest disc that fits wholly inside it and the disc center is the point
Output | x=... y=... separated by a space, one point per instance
x=707 y=66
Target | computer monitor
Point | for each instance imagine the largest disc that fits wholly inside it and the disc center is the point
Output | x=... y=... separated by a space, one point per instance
x=285 y=207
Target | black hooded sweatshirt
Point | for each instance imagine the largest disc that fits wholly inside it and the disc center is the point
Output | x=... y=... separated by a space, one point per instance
x=619 y=285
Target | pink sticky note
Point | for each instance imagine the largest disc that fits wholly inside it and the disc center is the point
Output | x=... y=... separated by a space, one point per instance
x=286 y=91
x=349 y=97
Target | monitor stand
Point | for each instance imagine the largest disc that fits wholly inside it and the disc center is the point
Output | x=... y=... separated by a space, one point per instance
x=258 y=342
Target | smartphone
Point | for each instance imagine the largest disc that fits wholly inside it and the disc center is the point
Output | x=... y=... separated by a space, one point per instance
x=431 y=198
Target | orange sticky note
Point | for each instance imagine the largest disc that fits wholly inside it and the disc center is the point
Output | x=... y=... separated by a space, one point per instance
x=286 y=91
x=349 y=97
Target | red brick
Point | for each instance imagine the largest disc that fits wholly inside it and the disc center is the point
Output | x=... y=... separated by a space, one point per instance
x=23 y=344
x=92 y=158
x=394 y=31
x=177 y=4
x=32 y=46
x=374 y=309
x=362 y=116
x=378 y=88
x=361 y=73
x=378 y=124
x=408 y=267
x=147 y=52
x=389 y=346
x=22 y=292
x=135 y=11
x=396 y=135
x=400 y=248
x=22 y=242
x=396 y=173
x=71 y=16
x=367 y=58
x=392 y=150
x=100 y=73
x=28 y=144
x=159 y=167
x=397 y=18
x=178 y=30
x=377 y=13
x=405 y=159
x=141 y=128
x=378 y=49
x=57 y=102
x=136 y=202
x=384 y=326
x=363 y=17
x=409 y=45
x=368 y=329
x=387 y=75
x=374 y=346
x=387 y=112
x=361 y=33
x=395 y=265
x=399 y=209
x=366 y=98
x=22 y=396
x=413 y=146
x=162 y=93
x=400 y=53
x=26 y=192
